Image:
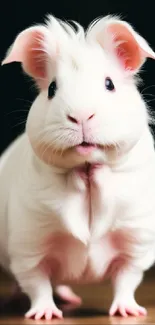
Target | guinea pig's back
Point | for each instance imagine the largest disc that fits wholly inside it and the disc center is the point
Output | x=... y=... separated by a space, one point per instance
x=9 y=167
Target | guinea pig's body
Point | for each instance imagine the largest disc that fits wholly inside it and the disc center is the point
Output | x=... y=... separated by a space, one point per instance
x=82 y=218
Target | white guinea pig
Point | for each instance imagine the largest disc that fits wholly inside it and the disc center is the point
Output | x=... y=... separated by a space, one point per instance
x=77 y=189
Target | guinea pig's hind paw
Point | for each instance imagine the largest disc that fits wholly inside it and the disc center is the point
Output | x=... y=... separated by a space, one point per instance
x=126 y=308
x=45 y=310
x=66 y=294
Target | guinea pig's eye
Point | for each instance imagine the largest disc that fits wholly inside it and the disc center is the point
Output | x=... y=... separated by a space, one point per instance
x=52 y=89
x=109 y=84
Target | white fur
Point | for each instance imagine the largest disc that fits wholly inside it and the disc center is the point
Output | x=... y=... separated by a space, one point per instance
x=112 y=218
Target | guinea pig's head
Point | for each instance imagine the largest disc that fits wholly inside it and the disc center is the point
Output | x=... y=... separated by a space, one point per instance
x=88 y=101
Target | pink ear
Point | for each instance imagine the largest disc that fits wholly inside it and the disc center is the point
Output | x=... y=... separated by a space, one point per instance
x=119 y=38
x=127 y=49
x=29 y=48
x=131 y=48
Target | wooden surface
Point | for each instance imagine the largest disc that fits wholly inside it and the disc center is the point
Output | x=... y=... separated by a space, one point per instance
x=96 y=301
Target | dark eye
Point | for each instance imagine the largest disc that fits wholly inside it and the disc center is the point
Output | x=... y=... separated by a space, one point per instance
x=52 y=89
x=109 y=84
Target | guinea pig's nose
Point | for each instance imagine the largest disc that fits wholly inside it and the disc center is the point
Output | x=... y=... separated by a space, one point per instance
x=79 y=121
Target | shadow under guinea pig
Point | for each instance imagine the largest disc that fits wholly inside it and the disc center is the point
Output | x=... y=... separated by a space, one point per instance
x=18 y=304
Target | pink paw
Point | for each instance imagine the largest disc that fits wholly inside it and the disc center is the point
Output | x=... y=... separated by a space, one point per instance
x=44 y=309
x=127 y=307
x=66 y=293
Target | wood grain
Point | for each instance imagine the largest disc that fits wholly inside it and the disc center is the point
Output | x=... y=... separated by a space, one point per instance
x=96 y=301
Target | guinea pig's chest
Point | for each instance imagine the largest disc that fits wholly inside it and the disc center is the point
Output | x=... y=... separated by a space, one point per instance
x=95 y=189
x=83 y=249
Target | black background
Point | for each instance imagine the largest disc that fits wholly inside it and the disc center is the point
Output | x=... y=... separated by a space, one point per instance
x=17 y=91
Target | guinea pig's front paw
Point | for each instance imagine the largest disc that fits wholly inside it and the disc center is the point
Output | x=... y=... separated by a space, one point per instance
x=126 y=307
x=46 y=309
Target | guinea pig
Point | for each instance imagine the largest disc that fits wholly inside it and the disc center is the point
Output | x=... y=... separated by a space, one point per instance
x=77 y=187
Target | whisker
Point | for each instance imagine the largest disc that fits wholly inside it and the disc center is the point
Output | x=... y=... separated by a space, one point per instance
x=25 y=100
x=150 y=100
x=18 y=124
x=147 y=88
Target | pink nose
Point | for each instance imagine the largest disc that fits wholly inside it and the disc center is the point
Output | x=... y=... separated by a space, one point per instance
x=76 y=121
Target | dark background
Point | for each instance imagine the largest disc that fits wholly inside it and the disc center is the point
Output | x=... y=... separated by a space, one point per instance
x=17 y=91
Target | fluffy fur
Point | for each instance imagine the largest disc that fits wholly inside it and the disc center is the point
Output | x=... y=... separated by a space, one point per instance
x=74 y=213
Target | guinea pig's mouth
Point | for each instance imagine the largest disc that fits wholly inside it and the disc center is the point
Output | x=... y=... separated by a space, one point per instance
x=87 y=144
x=85 y=148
